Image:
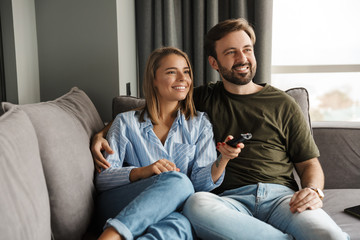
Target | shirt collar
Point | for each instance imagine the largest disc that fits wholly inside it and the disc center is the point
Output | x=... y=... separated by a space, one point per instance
x=147 y=124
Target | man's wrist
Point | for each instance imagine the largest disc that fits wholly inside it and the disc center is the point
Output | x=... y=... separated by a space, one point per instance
x=319 y=192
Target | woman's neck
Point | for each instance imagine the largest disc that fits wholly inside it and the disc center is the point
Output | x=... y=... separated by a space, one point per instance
x=166 y=119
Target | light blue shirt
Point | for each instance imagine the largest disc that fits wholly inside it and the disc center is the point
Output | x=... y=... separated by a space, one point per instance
x=189 y=144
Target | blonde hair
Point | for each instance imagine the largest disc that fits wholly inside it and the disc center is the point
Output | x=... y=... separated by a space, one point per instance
x=152 y=105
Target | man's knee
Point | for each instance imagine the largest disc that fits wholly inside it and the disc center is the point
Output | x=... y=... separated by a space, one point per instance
x=197 y=204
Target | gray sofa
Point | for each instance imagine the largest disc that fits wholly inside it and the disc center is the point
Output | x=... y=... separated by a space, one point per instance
x=46 y=174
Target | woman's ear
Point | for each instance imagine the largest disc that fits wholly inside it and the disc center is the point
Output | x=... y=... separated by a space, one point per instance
x=213 y=63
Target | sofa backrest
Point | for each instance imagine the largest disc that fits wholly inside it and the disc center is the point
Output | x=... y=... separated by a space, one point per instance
x=339 y=144
x=24 y=201
x=64 y=128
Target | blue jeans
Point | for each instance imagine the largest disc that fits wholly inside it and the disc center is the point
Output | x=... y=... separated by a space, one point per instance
x=259 y=211
x=148 y=208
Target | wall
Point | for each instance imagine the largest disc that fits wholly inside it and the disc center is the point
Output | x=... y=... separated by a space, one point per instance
x=51 y=46
x=78 y=47
x=127 y=46
x=20 y=51
x=26 y=51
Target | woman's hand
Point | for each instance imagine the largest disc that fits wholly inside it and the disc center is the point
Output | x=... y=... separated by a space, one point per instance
x=160 y=166
x=227 y=151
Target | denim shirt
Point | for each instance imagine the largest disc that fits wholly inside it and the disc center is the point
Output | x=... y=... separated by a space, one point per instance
x=189 y=144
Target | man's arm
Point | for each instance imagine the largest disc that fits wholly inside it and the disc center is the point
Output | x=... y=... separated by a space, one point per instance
x=99 y=144
x=312 y=176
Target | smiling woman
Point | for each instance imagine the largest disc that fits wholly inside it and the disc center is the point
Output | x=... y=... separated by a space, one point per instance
x=157 y=150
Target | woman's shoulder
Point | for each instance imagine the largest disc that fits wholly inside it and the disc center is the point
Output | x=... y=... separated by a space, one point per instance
x=200 y=119
x=128 y=117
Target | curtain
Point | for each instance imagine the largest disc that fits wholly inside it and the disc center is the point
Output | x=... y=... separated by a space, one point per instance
x=184 y=23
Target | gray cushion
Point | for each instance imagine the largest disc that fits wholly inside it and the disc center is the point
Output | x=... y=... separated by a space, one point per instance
x=64 y=128
x=335 y=201
x=301 y=96
x=24 y=202
x=125 y=103
x=339 y=146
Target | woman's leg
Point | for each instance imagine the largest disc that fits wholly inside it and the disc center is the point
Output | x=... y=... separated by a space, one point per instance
x=174 y=226
x=132 y=208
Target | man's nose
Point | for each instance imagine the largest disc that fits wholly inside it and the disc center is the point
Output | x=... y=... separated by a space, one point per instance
x=241 y=57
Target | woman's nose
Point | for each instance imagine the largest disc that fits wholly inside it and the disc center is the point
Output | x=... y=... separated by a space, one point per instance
x=181 y=76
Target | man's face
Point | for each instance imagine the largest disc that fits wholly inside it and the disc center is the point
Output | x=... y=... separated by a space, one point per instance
x=235 y=58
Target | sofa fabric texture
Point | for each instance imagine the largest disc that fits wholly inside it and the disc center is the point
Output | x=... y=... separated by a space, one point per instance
x=24 y=201
x=64 y=128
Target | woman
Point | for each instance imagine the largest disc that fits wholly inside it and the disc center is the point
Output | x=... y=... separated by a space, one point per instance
x=161 y=154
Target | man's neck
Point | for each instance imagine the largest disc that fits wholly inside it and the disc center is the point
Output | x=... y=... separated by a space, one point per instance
x=246 y=89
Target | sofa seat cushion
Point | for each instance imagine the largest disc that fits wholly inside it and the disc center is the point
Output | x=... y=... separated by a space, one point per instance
x=24 y=201
x=64 y=128
x=335 y=201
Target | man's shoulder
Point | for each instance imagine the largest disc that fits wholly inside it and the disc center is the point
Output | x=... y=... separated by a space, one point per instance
x=278 y=93
x=209 y=87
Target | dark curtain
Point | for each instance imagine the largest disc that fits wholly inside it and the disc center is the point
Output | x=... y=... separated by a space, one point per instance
x=184 y=23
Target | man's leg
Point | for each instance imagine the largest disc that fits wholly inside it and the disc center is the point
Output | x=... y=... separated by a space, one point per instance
x=132 y=208
x=175 y=226
x=215 y=217
x=310 y=224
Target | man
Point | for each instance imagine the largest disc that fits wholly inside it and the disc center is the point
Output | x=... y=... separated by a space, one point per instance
x=259 y=198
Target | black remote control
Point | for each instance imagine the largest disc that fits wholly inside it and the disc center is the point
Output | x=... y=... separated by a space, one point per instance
x=243 y=137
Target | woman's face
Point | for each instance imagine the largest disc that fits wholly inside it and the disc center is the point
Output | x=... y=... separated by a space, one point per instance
x=172 y=79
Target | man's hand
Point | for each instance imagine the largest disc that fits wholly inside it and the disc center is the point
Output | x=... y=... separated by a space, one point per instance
x=304 y=199
x=99 y=144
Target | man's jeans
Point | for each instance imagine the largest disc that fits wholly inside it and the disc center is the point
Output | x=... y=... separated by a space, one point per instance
x=259 y=211
x=148 y=207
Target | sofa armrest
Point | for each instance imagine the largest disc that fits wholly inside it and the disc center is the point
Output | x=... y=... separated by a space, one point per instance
x=339 y=145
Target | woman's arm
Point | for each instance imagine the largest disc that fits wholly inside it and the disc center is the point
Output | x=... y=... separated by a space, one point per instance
x=207 y=172
x=227 y=153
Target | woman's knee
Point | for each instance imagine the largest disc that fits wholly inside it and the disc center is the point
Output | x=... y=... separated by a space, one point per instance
x=179 y=182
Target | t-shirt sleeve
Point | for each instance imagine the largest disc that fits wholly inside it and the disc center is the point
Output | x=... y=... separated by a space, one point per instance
x=301 y=144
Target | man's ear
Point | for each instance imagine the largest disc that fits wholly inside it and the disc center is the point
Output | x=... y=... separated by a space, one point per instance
x=213 y=63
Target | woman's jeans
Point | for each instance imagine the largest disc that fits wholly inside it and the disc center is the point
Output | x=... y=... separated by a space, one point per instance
x=259 y=211
x=148 y=208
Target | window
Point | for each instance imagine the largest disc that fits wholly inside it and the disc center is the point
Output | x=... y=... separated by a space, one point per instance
x=316 y=46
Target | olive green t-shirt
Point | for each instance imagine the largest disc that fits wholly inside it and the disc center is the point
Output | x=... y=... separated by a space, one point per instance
x=280 y=133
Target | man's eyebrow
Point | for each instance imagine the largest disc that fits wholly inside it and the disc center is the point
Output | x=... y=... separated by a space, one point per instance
x=227 y=49
x=248 y=46
x=233 y=48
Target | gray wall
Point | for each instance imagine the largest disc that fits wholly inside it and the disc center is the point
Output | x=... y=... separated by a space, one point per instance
x=77 y=44
x=9 y=51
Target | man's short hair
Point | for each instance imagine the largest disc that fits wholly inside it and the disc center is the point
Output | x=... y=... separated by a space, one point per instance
x=222 y=29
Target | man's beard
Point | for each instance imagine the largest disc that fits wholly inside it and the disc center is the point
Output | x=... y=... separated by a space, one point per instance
x=237 y=78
